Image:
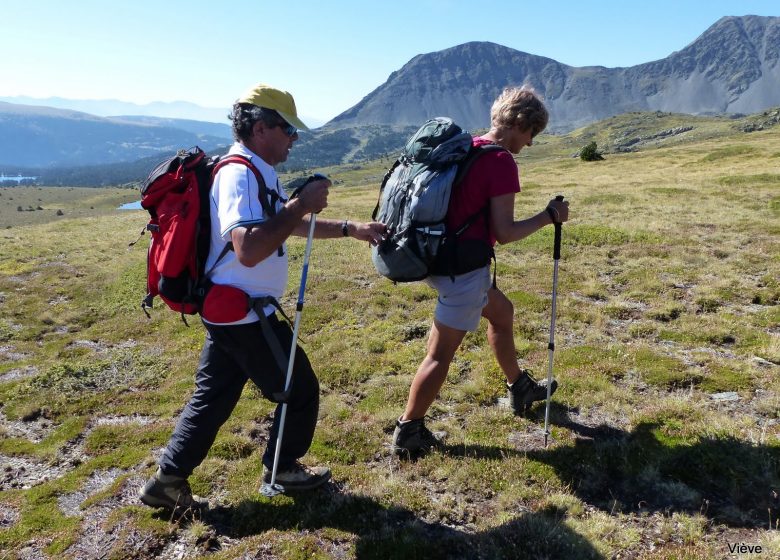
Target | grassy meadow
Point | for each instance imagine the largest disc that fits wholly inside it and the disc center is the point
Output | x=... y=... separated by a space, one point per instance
x=665 y=428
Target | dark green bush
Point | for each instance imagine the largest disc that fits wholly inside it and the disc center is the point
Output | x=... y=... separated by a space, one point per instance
x=591 y=153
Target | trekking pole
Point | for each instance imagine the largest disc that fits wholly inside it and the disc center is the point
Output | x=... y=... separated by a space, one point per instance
x=272 y=489
x=551 y=345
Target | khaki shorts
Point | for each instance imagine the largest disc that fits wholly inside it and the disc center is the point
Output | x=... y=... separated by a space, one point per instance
x=460 y=302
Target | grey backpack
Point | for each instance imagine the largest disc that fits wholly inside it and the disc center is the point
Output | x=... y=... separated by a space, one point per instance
x=413 y=201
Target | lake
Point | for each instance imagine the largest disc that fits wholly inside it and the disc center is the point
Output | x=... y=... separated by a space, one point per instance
x=18 y=179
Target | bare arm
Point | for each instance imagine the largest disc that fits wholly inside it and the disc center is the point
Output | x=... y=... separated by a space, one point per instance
x=506 y=229
x=256 y=243
x=325 y=228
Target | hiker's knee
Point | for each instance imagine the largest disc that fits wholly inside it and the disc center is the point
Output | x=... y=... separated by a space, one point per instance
x=504 y=317
x=443 y=341
x=499 y=311
x=438 y=356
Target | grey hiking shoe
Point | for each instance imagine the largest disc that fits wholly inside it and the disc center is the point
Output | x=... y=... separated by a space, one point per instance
x=298 y=477
x=526 y=390
x=170 y=492
x=413 y=438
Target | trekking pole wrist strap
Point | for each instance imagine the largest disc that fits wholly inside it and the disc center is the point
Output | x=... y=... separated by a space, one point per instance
x=553 y=214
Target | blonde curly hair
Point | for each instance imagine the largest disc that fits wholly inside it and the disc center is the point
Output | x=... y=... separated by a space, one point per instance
x=519 y=106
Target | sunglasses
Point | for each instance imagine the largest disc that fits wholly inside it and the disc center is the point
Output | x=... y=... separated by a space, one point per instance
x=287 y=128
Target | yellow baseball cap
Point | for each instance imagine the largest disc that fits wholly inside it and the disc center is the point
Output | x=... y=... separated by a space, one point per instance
x=282 y=102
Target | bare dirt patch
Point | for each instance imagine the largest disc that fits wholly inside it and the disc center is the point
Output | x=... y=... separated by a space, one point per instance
x=101 y=347
x=35 y=428
x=19 y=373
x=98 y=536
x=9 y=354
x=24 y=472
x=8 y=516
x=70 y=504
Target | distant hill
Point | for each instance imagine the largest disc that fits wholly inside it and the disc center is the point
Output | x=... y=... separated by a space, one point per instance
x=109 y=107
x=624 y=133
x=325 y=147
x=312 y=151
x=177 y=110
x=33 y=136
x=111 y=174
x=200 y=128
x=733 y=67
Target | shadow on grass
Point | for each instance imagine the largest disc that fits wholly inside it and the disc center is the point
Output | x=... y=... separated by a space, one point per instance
x=387 y=532
x=653 y=468
x=647 y=470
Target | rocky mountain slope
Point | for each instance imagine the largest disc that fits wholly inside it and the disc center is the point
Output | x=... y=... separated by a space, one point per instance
x=733 y=67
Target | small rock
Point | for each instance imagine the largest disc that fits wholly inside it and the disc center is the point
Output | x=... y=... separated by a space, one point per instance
x=762 y=362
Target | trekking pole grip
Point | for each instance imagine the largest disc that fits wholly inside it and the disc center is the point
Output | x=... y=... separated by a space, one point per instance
x=557 y=243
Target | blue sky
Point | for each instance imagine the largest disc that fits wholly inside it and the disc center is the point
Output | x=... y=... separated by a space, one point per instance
x=329 y=55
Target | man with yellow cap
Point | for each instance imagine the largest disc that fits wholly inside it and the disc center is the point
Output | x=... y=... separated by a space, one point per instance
x=265 y=126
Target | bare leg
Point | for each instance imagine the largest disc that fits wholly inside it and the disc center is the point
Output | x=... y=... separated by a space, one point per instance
x=442 y=344
x=499 y=312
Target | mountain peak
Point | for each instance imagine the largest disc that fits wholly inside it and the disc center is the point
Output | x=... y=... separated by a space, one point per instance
x=454 y=81
x=731 y=67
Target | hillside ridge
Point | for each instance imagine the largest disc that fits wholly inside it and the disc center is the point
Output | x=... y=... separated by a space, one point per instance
x=733 y=67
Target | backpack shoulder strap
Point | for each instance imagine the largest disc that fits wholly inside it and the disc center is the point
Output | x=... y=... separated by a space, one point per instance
x=243 y=160
x=262 y=189
x=375 y=213
x=463 y=169
x=474 y=153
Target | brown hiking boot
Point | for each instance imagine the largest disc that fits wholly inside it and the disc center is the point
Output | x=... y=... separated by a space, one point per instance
x=170 y=492
x=298 y=477
x=526 y=390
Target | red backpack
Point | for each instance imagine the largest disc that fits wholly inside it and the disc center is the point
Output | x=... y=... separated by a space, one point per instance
x=176 y=194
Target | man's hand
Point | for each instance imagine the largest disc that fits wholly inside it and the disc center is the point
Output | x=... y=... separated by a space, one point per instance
x=314 y=197
x=373 y=232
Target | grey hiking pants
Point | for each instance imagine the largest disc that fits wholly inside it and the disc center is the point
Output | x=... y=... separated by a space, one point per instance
x=231 y=355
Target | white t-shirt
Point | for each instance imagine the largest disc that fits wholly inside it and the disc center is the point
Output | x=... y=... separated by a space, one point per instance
x=235 y=203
